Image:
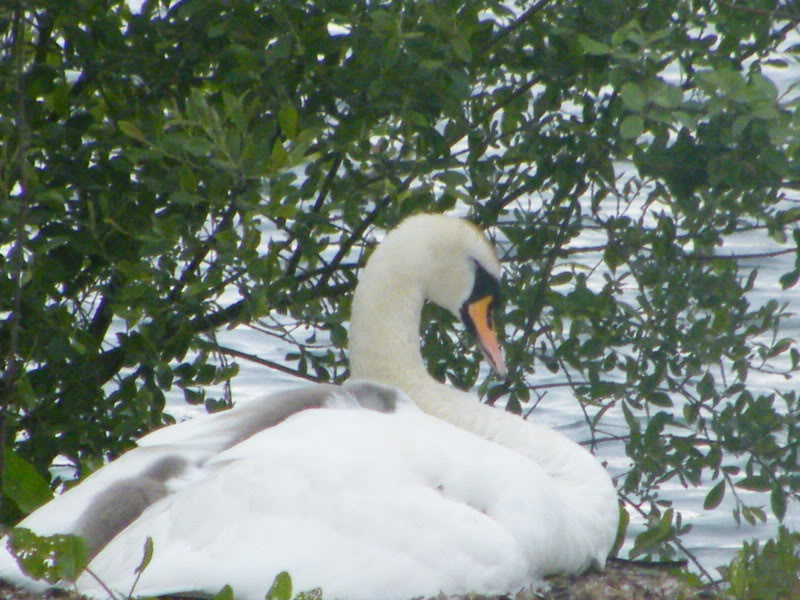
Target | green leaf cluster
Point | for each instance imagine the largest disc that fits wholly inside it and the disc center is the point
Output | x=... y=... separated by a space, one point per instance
x=281 y=589
x=768 y=572
x=53 y=558
x=188 y=167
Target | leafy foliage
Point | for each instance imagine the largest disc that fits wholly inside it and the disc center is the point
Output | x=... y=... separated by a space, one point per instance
x=23 y=485
x=769 y=572
x=281 y=589
x=183 y=167
x=52 y=558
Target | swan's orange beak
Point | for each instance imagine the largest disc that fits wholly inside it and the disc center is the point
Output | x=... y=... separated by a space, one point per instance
x=480 y=315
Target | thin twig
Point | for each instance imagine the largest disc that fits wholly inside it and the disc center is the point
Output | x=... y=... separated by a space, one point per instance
x=517 y=23
x=199 y=256
x=773 y=14
x=757 y=255
x=108 y=591
x=357 y=234
x=268 y=363
x=303 y=229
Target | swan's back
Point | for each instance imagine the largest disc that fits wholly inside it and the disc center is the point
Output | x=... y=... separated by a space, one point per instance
x=361 y=503
x=354 y=490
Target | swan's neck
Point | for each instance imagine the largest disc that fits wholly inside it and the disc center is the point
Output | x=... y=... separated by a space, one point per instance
x=384 y=340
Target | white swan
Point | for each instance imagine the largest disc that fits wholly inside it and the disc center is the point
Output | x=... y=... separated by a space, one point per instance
x=366 y=496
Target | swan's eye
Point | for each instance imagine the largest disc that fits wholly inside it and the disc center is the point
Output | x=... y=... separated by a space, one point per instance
x=485 y=285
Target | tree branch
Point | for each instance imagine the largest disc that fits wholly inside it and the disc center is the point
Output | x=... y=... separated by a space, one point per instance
x=516 y=24
x=304 y=229
x=201 y=253
x=268 y=363
x=17 y=257
x=356 y=234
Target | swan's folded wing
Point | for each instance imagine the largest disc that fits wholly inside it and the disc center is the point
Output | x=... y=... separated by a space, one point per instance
x=169 y=459
x=362 y=503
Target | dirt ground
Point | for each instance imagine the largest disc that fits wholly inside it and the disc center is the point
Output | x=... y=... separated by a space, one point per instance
x=618 y=581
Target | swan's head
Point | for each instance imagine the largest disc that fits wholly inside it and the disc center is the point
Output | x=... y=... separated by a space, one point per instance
x=448 y=261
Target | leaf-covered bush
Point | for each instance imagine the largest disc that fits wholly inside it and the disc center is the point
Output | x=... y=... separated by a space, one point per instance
x=177 y=168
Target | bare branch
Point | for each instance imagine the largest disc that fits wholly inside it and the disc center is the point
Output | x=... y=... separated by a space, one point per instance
x=268 y=363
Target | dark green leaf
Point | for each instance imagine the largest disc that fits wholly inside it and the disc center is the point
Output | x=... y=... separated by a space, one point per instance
x=777 y=500
x=23 y=485
x=72 y=558
x=632 y=96
x=715 y=496
x=591 y=46
x=631 y=127
x=659 y=399
x=131 y=130
x=755 y=483
x=287 y=119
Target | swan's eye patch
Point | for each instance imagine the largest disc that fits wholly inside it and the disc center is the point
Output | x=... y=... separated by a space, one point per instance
x=485 y=285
